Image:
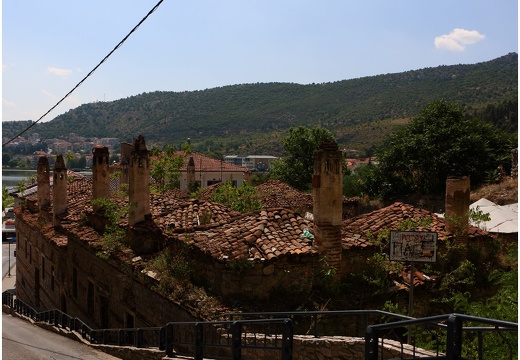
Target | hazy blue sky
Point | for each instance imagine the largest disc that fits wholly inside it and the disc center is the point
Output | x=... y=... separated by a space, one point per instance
x=49 y=46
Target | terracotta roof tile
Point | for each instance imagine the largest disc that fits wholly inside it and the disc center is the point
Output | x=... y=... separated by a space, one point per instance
x=355 y=230
x=249 y=237
x=223 y=233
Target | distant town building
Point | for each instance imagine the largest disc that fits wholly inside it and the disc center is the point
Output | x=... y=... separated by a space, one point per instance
x=252 y=162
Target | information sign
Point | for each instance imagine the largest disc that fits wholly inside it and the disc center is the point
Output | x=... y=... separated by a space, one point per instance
x=418 y=246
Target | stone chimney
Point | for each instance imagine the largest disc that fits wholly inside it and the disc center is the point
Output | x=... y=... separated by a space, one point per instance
x=126 y=150
x=190 y=172
x=44 y=184
x=139 y=182
x=328 y=202
x=59 y=198
x=100 y=173
x=457 y=209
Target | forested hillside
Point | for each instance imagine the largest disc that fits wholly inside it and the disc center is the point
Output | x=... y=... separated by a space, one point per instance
x=251 y=117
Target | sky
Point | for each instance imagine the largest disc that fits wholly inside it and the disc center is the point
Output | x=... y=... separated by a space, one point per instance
x=50 y=46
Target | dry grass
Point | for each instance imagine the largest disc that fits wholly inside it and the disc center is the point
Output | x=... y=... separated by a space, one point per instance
x=503 y=193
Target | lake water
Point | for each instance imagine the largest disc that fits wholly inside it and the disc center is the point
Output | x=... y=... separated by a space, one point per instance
x=13 y=177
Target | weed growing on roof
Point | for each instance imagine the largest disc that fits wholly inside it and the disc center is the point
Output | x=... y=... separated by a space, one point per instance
x=241 y=199
x=114 y=235
x=240 y=266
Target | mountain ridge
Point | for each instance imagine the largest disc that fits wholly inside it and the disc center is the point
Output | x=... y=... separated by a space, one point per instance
x=233 y=116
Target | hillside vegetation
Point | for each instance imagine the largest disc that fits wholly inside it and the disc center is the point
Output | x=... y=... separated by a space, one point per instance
x=252 y=117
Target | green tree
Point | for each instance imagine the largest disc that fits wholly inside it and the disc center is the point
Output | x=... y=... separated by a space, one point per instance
x=297 y=165
x=69 y=158
x=165 y=172
x=438 y=143
x=5 y=158
x=114 y=158
x=7 y=200
x=241 y=199
x=82 y=162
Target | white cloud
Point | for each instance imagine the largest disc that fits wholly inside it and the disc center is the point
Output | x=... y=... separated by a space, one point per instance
x=48 y=94
x=458 y=39
x=8 y=104
x=58 y=71
x=6 y=67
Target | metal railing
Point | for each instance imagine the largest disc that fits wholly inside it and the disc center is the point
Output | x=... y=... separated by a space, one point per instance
x=445 y=333
x=326 y=323
x=241 y=333
x=224 y=339
x=229 y=339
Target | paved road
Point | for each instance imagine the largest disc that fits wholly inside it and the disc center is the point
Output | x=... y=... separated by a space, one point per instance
x=22 y=340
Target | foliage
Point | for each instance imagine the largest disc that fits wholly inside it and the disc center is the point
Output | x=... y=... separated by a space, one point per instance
x=172 y=268
x=240 y=118
x=240 y=266
x=7 y=200
x=113 y=236
x=438 y=143
x=166 y=171
x=76 y=163
x=241 y=199
x=297 y=165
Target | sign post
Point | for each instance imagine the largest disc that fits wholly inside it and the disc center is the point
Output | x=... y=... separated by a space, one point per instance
x=413 y=246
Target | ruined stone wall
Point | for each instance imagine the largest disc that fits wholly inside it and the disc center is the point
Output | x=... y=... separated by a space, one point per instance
x=334 y=347
x=39 y=271
x=255 y=280
x=77 y=281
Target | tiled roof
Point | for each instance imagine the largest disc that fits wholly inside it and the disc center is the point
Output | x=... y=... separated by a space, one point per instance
x=224 y=233
x=355 y=230
x=262 y=235
x=275 y=193
x=172 y=214
x=204 y=163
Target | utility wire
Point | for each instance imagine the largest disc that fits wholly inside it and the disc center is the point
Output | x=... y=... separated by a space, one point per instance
x=88 y=75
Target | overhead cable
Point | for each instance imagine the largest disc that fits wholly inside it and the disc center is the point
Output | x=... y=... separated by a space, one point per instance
x=88 y=75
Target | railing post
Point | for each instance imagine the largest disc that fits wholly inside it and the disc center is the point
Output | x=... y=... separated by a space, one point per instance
x=315 y=316
x=287 y=340
x=120 y=337
x=454 y=338
x=480 y=345
x=139 y=338
x=236 y=338
x=199 y=339
x=168 y=343
x=162 y=338
x=371 y=343
x=55 y=318
x=105 y=332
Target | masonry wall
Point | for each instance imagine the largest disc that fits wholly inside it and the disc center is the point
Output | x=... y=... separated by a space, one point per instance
x=259 y=280
x=77 y=281
x=212 y=177
x=335 y=347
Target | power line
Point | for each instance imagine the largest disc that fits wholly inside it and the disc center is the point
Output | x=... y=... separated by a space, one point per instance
x=90 y=73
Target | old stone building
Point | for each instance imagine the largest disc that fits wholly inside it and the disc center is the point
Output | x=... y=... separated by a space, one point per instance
x=63 y=261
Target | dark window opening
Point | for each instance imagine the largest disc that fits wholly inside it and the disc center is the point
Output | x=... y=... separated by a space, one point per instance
x=90 y=299
x=75 y=282
x=103 y=311
x=52 y=277
x=129 y=321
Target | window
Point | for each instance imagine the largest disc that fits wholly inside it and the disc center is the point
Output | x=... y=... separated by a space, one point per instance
x=90 y=299
x=75 y=282
x=129 y=320
x=52 y=277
